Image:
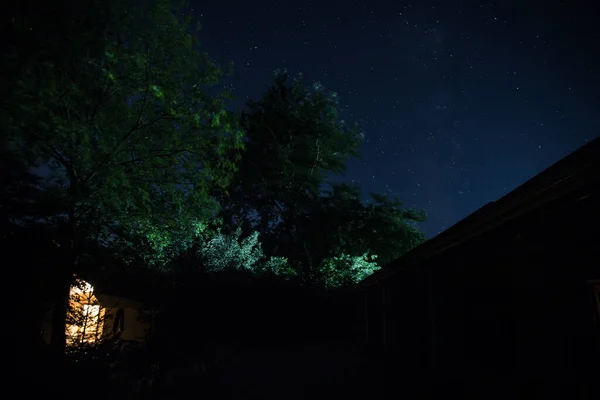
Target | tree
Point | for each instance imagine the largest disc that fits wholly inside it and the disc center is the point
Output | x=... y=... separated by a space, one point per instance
x=228 y=252
x=203 y=249
x=343 y=270
x=22 y=200
x=347 y=225
x=295 y=140
x=121 y=123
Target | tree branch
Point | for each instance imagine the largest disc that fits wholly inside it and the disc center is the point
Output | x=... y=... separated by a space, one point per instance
x=317 y=157
x=135 y=127
x=58 y=157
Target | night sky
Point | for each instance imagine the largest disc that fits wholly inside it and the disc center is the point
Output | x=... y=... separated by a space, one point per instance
x=460 y=101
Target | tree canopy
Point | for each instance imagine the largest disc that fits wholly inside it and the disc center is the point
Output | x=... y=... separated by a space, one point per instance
x=123 y=123
x=295 y=140
x=117 y=129
x=112 y=107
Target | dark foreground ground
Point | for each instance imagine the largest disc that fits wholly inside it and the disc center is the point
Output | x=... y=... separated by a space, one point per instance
x=332 y=370
x=342 y=370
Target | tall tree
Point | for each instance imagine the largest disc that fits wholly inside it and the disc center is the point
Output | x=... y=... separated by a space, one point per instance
x=295 y=138
x=112 y=105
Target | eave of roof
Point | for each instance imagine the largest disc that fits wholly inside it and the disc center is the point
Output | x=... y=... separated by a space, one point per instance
x=561 y=178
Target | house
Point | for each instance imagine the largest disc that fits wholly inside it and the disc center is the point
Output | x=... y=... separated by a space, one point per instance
x=508 y=299
x=95 y=315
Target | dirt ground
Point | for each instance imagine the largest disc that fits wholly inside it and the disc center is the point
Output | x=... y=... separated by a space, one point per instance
x=313 y=371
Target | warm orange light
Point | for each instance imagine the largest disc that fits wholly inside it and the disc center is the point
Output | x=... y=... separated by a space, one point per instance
x=86 y=315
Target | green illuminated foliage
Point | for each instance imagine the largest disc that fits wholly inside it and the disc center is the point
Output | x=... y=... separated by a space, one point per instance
x=342 y=270
x=227 y=252
x=212 y=250
x=122 y=122
x=278 y=266
x=156 y=246
x=348 y=225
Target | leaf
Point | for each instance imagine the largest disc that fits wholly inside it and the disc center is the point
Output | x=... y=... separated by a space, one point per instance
x=112 y=115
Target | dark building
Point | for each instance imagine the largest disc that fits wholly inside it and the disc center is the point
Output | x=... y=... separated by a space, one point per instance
x=504 y=304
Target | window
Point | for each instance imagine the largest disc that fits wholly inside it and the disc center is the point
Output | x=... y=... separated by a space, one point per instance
x=85 y=317
x=119 y=322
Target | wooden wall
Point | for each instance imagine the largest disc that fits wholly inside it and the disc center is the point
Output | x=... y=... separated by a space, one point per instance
x=510 y=308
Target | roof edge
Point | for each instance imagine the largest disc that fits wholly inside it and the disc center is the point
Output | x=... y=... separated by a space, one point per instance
x=555 y=181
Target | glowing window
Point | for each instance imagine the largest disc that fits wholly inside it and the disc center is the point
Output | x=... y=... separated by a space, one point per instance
x=85 y=318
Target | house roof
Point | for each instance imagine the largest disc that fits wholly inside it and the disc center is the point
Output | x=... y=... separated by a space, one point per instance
x=110 y=278
x=574 y=171
x=112 y=301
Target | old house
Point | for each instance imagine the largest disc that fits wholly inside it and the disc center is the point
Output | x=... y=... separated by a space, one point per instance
x=94 y=315
x=504 y=303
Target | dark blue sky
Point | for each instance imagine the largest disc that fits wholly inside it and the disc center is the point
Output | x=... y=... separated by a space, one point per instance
x=460 y=101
